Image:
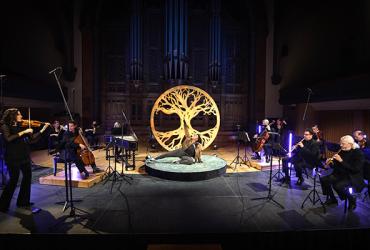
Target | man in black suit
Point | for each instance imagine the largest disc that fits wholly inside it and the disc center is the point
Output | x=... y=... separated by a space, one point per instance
x=306 y=153
x=347 y=168
x=70 y=146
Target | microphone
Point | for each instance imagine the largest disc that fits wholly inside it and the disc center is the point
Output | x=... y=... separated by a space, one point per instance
x=1 y=76
x=54 y=70
x=310 y=90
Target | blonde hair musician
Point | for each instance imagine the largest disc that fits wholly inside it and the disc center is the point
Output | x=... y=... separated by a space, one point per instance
x=347 y=167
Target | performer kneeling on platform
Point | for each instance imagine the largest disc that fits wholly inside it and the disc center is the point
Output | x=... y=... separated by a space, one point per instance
x=306 y=154
x=189 y=153
x=70 y=146
x=17 y=157
x=347 y=167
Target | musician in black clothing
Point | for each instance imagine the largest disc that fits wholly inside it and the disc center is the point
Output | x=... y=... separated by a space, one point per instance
x=117 y=130
x=267 y=146
x=278 y=138
x=279 y=126
x=318 y=136
x=360 y=139
x=68 y=148
x=55 y=136
x=347 y=172
x=17 y=157
x=306 y=153
x=91 y=134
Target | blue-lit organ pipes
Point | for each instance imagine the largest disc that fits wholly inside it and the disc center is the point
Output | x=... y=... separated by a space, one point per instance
x=176 y=40
x=136 y=42
x=215 y=43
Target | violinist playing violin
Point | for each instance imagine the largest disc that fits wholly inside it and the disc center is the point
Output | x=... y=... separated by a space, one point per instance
x=17 y=156
x=318 y=136
x=306 y=153
x=347 y=172
x=55 y=136
x=360 y=139
x=71 y=147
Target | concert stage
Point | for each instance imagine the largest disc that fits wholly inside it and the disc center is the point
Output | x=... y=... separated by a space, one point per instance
x=224 y=157
x=216 y=209
x=166 y=168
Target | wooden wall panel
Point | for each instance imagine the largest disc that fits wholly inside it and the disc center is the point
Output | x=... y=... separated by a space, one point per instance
x=334 y=123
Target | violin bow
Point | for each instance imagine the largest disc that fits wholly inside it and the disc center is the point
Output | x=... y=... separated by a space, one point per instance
x=29 y=117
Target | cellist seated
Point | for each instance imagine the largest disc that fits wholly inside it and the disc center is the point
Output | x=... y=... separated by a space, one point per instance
x=71 y=147
x=265 y=143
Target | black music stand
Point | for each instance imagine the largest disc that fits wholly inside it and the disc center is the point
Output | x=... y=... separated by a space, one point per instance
x=69 y=201
x=278 y=149
x=315 y=195
x=109 y=169
x=270 y=197
x=238 y=159
x=112 y=174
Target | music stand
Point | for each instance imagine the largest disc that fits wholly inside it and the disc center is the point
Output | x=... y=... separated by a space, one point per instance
x=112 y=173
x=69 y=201
x=276 y=147
x=270 y=197
x=314 y=194
x=238 y=159
x=246 y=140
x=109 y=169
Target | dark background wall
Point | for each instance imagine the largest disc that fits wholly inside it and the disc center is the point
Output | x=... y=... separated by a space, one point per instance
x=323 y=45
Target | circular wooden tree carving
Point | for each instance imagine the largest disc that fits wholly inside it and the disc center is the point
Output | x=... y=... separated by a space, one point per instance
x=186 y=102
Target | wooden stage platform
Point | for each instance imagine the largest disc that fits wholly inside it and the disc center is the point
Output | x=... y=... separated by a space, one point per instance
x=227 y=152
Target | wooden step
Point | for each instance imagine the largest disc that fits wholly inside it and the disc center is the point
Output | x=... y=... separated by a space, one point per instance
x=77 y=181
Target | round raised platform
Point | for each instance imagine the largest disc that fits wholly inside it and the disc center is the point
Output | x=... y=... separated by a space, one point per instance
x=165 y=168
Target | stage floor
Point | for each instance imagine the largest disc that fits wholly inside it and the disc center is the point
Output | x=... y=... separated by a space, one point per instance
x=150 y=205
x=227 y=153
x=154 y=206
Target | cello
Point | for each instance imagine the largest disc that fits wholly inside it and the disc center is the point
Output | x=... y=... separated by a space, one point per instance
x=86 y=154
x=262 y=139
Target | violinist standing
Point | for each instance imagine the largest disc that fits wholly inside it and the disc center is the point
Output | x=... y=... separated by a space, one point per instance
x=17 y=157
x=70 y=146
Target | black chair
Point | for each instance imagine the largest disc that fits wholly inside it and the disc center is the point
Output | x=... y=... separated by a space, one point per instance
x=355 y=194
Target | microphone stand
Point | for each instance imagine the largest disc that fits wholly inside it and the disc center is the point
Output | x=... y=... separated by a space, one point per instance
x=307 y=102
x=68 y=203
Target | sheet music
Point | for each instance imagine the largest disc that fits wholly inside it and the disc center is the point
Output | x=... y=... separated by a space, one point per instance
x=125 y=137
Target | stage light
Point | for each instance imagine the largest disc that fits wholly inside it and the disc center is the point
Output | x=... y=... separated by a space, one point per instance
x=290 y=144
x=259 y=129
x=350 y=190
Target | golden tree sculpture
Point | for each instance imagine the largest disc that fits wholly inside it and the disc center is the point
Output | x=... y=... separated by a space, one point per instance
x=186 y=102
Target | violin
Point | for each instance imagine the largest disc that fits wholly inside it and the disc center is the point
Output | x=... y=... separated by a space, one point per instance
x=31 y=123
x=362 y=143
